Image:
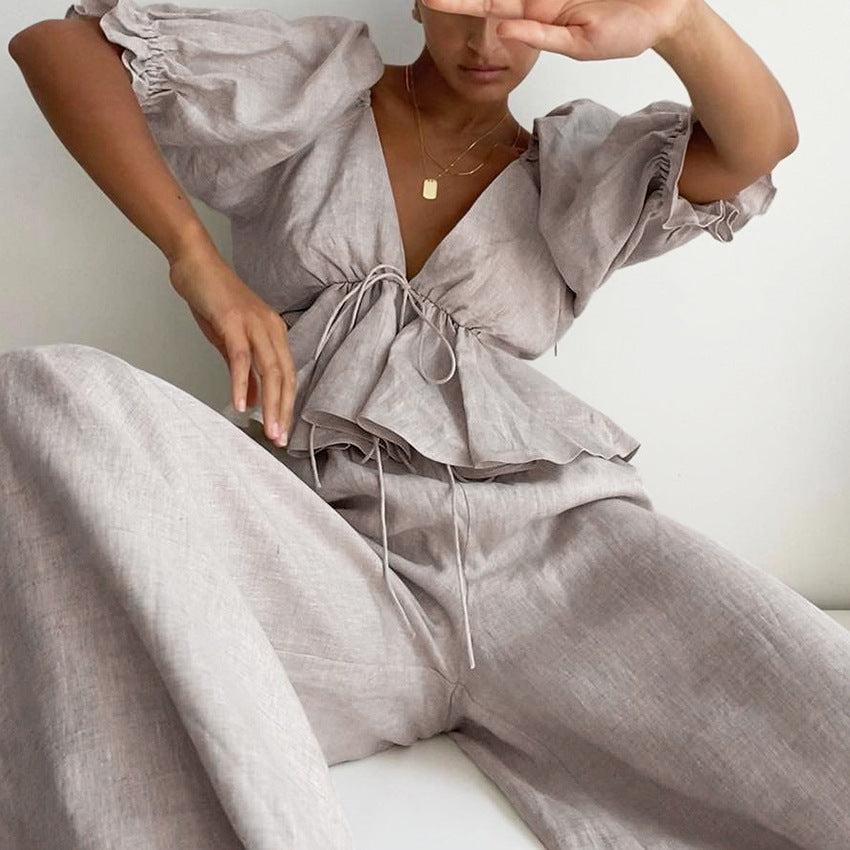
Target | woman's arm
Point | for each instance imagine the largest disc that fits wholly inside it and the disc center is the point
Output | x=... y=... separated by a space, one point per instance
x=82 y=88
x=746 y=124
x=80 y=84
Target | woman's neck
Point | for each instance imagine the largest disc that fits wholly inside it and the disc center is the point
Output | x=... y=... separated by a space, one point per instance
x=445 y=110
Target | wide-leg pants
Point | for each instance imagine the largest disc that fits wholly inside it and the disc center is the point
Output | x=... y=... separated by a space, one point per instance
x=190 y=635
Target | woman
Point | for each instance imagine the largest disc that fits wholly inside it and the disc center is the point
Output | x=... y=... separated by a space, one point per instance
x=196 y=619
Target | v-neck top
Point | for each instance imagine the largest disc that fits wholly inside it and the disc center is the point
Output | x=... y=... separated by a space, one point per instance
x=269 y=121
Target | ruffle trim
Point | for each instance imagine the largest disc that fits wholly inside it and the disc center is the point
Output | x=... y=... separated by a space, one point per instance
x=362 y=380
x=88 y=8
x=719 y=217
x=145 y=49
x=427 y=384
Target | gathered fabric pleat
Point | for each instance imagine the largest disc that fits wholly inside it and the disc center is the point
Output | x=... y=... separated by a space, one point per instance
x=385 y=271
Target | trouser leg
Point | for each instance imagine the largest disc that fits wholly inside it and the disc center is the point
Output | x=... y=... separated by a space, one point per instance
x=188 y=635
x=639 y=685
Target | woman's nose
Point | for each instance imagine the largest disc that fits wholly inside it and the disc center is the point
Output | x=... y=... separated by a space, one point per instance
x=483 y=36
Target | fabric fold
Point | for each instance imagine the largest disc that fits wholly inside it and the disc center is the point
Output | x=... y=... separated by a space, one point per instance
x=230 y=93
x=720 y=218
x=426 y=384
x=380 y=366
x=609 y=190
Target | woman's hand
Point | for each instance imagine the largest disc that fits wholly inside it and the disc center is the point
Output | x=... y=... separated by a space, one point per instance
x=248 y=333
x=580 y=29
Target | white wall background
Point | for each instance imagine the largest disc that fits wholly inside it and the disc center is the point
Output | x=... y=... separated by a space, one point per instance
x=729 y=362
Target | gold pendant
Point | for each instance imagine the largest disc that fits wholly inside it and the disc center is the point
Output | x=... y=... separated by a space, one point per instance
x=429 y=188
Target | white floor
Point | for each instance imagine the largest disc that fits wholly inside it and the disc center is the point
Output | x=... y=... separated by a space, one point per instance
x=430 y=796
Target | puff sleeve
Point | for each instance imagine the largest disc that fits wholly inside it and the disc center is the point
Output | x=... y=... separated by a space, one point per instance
x=229 y=93
x=608 y=190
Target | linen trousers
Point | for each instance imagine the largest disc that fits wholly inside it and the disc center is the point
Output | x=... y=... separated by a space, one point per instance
x=190 y=635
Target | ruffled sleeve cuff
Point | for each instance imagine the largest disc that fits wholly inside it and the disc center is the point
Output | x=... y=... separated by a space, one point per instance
x=88 y=8
x=609 y=190
x=230 y=93
x=721 y=218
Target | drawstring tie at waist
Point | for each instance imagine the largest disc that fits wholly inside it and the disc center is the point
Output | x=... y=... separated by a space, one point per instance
x=393 y=273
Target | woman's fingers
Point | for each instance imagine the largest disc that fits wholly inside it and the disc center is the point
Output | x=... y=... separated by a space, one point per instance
x=253 y=341
x=289 y=376
x=250 y=336
x=253 y=388
x=267 y=364
x=480 y=8
x=238 y=360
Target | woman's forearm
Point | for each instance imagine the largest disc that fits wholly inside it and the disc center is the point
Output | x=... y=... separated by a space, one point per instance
x=736 y=98
x=81 y=86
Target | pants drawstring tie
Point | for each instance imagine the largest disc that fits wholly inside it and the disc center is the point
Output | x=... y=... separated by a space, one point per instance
x=413 y=297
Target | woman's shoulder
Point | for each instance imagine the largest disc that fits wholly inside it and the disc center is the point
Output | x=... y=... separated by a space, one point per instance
x=229 y=93
x=583 y=127
x=590 y=116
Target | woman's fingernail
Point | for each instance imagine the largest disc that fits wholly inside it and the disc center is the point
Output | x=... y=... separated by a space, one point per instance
x=274 y=429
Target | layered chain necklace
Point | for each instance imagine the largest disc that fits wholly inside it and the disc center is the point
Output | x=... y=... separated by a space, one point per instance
x=429 y=184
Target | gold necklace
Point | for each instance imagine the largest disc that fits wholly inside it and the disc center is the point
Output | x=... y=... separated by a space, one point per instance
x=484 y=162
x=408 y=77
x=480 y=164
x=429 y=184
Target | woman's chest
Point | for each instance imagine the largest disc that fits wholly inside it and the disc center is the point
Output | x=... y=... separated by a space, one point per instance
x=425 y=219
x=332 y=214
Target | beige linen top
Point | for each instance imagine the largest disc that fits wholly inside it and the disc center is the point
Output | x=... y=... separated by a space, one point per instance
x=269 y=121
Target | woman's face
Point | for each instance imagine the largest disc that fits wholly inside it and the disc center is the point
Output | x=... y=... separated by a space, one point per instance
x=456 y=41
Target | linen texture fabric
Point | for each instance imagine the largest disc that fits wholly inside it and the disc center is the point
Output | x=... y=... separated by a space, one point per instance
x=196 y=623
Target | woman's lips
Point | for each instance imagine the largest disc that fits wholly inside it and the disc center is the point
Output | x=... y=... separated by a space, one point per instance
x=483 y=75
